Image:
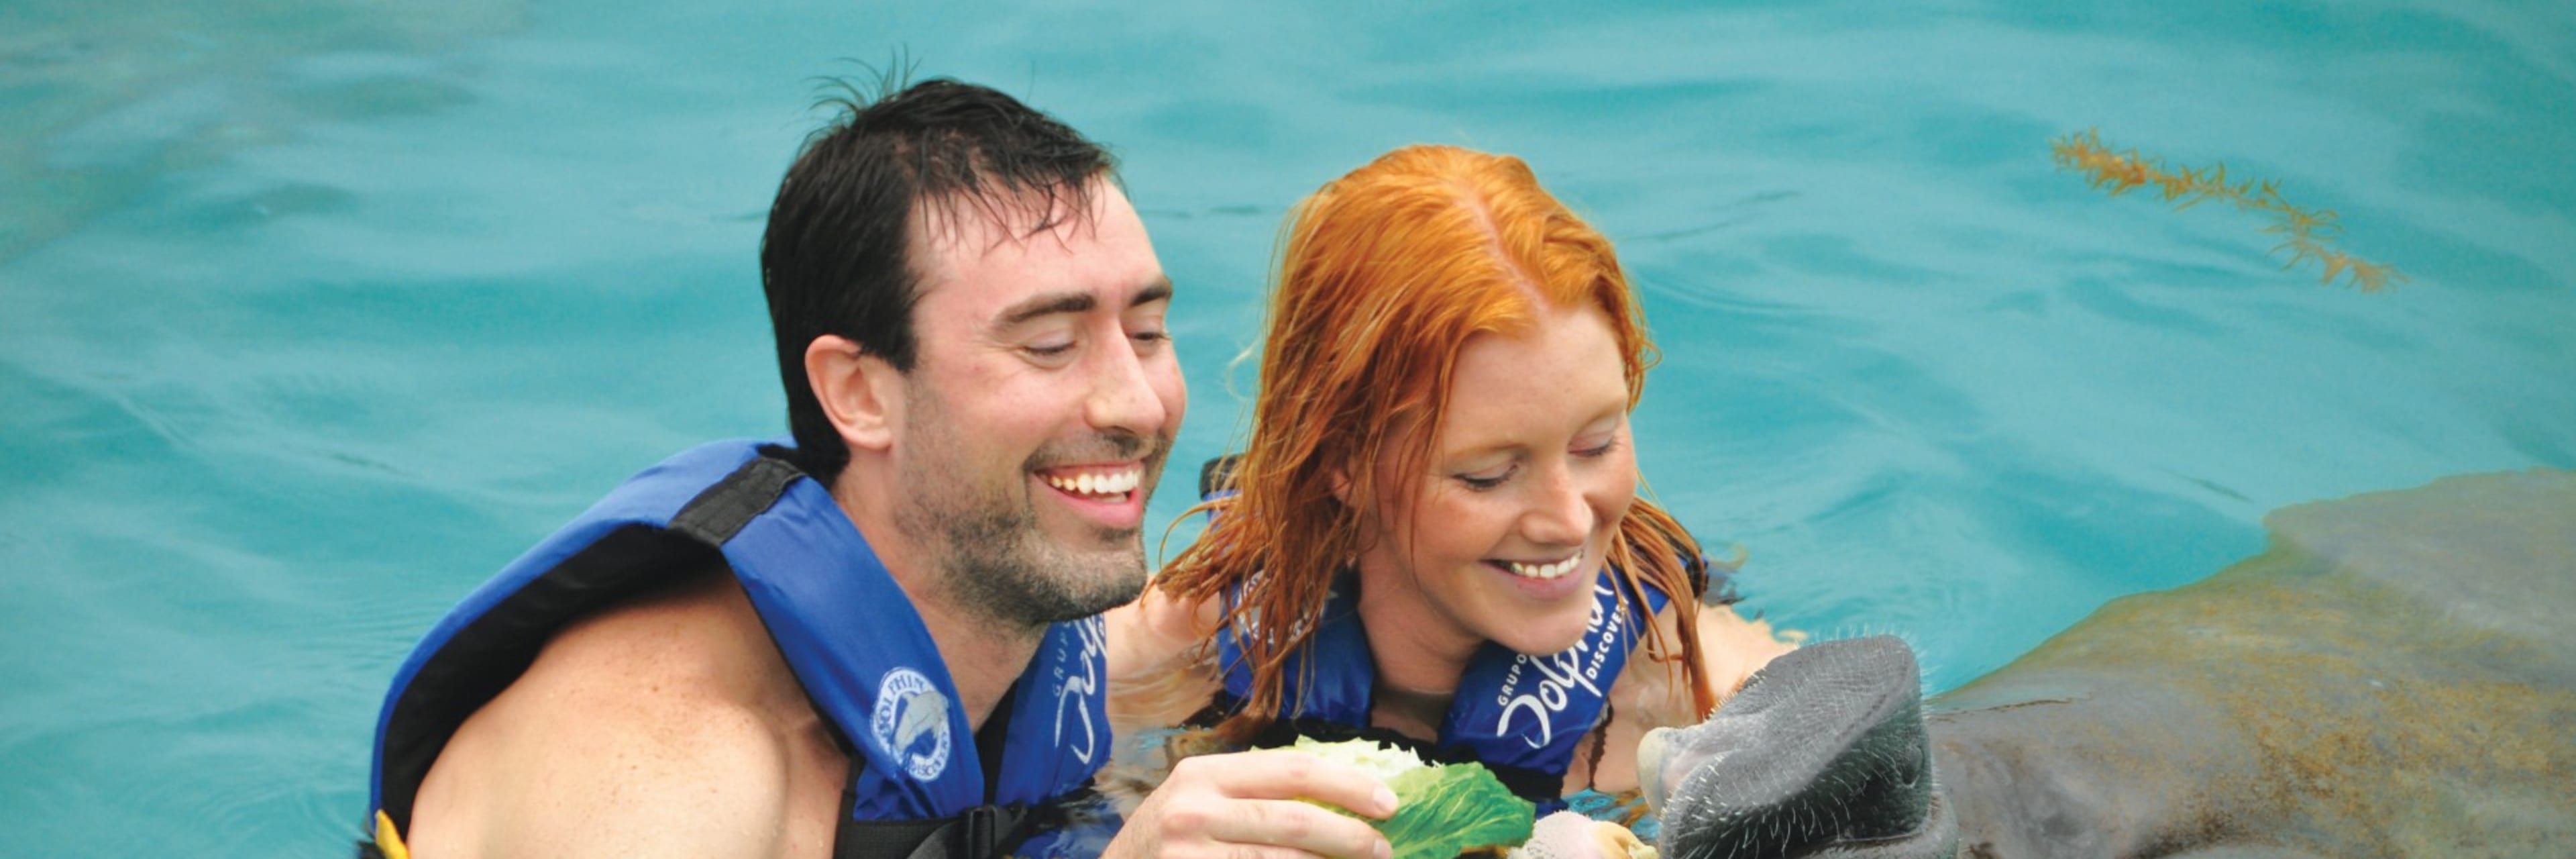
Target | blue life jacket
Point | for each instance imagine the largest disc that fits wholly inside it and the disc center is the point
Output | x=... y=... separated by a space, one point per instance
x=917 y=784
x=1520 y=715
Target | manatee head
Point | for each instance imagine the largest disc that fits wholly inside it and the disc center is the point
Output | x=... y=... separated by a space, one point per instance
x=1822 y=754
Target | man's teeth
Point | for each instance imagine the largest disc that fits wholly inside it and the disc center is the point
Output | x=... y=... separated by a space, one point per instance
x=1543 y=571
x=1098 y=483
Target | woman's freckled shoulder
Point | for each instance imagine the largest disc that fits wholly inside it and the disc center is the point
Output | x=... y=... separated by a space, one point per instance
x=1730 y=650
x=1733 y=648
x=1651 y=692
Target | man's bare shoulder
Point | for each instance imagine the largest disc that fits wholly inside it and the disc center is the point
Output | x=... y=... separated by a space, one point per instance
x=664 y=726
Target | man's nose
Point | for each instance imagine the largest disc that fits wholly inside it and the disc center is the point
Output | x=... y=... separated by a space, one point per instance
x=1123 y=396
x=1559 y=515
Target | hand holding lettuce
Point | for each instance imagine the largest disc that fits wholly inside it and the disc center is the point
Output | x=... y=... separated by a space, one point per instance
x=1246 y=803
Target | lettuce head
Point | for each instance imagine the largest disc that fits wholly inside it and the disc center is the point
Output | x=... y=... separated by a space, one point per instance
x=1442 y=810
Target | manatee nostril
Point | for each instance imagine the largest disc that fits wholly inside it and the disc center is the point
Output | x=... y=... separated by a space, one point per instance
x=1652 y=749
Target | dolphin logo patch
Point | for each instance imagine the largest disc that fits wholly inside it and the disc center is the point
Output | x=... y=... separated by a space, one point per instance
x=911 y=723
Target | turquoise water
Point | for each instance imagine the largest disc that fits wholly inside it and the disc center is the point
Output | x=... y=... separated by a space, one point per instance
x=313 y=314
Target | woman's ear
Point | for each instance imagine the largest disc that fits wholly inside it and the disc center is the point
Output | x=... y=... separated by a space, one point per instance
x=1341 y=480
x=861 y=393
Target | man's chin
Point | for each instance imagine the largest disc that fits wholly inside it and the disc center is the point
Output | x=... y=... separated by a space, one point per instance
x=1118 y=575
x=1091 y=579
x=1093 y=547
x=1094 y=595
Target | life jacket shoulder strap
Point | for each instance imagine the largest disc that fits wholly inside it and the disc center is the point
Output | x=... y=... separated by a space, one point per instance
x=720 y=512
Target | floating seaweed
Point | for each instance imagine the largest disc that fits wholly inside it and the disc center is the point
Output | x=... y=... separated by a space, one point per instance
x=2306 y=234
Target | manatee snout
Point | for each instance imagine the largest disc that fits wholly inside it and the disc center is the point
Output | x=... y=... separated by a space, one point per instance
x=1823 y=754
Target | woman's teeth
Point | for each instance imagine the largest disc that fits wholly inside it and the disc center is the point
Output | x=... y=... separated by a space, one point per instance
x=1543 y=571
x=1103 y=484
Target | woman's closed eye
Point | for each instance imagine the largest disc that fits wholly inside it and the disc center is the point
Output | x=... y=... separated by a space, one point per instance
x=1488 y=478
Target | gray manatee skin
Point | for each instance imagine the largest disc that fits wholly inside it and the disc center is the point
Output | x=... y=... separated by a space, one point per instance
x=2395 y=676
x=1822 y=753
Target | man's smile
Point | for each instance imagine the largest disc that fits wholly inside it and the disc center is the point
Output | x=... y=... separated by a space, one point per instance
x=1107 y=483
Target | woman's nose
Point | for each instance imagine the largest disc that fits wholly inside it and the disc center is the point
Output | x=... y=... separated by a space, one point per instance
x=1559 y=515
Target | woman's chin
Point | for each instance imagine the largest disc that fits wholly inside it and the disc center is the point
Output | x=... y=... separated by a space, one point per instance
x=1541 y=636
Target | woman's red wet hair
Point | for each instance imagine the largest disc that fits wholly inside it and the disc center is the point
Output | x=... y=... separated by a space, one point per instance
x=1385 y=275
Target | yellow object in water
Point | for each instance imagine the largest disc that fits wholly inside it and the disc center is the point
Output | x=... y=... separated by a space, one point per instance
x=389 y=840
x=2305 y=233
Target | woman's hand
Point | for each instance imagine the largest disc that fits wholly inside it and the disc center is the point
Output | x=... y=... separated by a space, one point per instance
x=1246 y=804
x=1568 y=835
x=1156 y=632
x=1162 y=664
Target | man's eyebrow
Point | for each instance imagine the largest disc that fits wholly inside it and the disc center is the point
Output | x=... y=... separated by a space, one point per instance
x=1048 y=305
x=1077 y=302
x=1161 y=290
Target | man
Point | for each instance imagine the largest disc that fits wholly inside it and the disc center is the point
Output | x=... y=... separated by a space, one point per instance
x=881 y=641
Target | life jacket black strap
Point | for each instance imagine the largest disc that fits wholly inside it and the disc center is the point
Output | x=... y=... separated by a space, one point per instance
x=723 y=509
x=982 y=832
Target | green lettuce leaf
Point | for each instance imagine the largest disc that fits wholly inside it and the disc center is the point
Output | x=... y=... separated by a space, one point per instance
x=1442 y=810
x=1450 y=809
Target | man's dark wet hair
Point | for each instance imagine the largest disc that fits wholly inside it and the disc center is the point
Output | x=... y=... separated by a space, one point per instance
x=835 y=261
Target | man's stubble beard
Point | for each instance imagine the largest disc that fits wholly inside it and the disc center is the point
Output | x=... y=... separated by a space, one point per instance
x=997 y=560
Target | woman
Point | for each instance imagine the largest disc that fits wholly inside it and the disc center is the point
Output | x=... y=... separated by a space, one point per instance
x=1434 y=529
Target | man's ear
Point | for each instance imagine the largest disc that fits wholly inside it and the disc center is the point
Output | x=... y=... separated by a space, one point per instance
x=861 y=393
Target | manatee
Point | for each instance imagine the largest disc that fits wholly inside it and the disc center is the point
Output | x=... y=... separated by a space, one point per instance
x=2393 y=676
